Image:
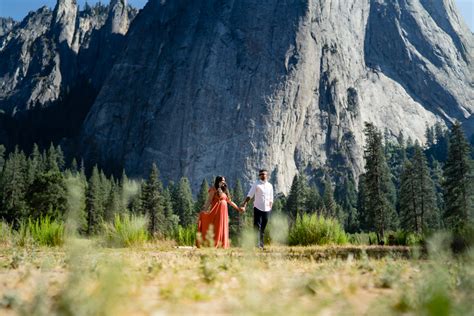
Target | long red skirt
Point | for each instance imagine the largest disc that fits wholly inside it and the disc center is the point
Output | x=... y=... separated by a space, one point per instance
x=218 y=219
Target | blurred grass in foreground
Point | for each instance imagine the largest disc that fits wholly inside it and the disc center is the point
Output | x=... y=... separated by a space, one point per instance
x=82 y=278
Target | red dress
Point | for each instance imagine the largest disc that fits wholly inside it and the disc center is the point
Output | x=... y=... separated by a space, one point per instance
x=218 y=217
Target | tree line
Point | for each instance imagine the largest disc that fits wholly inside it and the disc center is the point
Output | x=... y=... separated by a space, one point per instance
x=405 y=186
x=40 y=184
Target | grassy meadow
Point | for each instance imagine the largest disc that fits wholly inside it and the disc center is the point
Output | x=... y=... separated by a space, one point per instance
x=78 y=244
x=91 y=277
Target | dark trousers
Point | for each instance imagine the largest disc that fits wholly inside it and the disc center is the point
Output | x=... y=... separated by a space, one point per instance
x=260 y=220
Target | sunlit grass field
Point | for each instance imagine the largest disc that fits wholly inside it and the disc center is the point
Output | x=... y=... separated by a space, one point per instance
x=83 y=277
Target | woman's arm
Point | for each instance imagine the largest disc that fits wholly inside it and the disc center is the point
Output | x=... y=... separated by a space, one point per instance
x=235 y=206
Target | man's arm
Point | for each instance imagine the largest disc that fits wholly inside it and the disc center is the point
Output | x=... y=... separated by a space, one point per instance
x=247 y=199
x=244 y=205
x=250 y=195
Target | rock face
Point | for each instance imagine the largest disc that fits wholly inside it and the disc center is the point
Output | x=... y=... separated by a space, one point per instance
x=118 y=20
x=6 y=24
x=64 y=21
x=25 y=52
x=43 y=58
x=52 y=66
x=226 y=87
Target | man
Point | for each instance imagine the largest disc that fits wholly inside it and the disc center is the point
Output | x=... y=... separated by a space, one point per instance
x=262 y=190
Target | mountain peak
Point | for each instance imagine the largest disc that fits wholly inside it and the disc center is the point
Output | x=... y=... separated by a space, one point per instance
x=64 y=20
x=117 y=21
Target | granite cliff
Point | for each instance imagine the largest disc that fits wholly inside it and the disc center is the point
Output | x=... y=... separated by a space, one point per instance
x=207 y=87
x=223 y=86
x=52 y=65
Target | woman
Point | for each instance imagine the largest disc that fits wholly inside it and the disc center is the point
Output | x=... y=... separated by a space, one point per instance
x=215 y=214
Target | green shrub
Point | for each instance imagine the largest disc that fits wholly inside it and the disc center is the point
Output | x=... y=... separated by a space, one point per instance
x=185 y=236
x=363 y=238
x=6 y=233
x=46 y=232
x=398 y=238
x=126 y=230
x=402 y=238
x=43 y=231
x=23 y=236
x=316 y=230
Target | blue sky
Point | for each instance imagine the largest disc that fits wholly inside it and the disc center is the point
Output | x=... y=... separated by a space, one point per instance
x=466 y=7
x=19 y=8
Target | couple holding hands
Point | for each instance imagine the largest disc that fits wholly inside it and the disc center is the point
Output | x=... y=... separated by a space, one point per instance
x=215 y=212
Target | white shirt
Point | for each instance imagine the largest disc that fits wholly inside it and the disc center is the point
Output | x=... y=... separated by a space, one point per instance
x=263 y=192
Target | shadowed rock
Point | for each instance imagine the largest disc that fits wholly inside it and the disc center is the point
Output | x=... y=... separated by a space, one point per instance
x=227 y=87
x=52 y=65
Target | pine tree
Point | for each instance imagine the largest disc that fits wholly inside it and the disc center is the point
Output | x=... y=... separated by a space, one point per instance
x=113 y=204
x=330 y=206
x=296 y=202
x=94 y=202
x=74 y=167
x=429 y=213
x=47 y=195
x=152 y=202
x=408 y=200
x=174 y=195
x=60 y=158
x=439 y=149
x=36 y=165
x=313 y=201
x=364 y=221
x=106 y=189
x=418 y=205
x=236 y=219
x=76 y=188
x=201 y=197
x=172 y=220
x=51 y=162
x=458 y=181
x=379 y=188
x=409 y=148
x=346 y=196
x=31 y=173
x=438 y=180
x=238 y=193
x=124 y=196
x=13 y=187
x=82 y=169
x=429 y=135
x=396 y=156
x=279 y=204
x=135 y=201
x=184 y=205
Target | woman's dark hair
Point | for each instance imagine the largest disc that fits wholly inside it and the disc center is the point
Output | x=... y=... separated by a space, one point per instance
x=217 y=181
x=221 y=188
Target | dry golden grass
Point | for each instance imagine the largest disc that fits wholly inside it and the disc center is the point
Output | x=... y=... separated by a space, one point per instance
x=159 y=279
